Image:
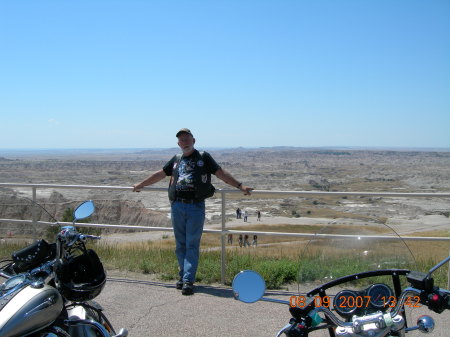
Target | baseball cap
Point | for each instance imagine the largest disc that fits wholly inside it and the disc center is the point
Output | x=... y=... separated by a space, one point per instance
x=184 y=130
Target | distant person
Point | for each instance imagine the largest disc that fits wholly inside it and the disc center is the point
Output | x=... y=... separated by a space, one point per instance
x=258 y=216
x=244 y=213
x=255 y=240
x=238 y=213
x=230 y=239
x=241 y=242
x=246 y=242
x=189 y=186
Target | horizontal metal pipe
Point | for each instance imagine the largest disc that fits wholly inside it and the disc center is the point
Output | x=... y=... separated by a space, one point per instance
x=226 y=232
x=297 y=193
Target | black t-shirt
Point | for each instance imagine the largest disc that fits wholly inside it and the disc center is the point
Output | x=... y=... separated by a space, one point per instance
x=185 y=186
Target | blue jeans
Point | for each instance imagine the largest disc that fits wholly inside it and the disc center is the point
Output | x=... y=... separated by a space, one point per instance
x=187 y=222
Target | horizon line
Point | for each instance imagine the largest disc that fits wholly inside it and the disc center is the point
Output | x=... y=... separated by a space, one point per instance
x=398 y=148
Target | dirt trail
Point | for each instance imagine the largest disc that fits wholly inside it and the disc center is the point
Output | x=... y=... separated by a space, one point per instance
x=401 y=225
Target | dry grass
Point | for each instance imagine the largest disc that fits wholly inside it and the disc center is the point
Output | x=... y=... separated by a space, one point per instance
x=434 y=250
x=432 y=233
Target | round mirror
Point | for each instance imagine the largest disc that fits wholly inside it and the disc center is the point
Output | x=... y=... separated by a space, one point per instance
x=248 y=286
x=84 y=210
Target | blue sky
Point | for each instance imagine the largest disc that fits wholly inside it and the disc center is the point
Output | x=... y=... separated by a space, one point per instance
x=119 y=74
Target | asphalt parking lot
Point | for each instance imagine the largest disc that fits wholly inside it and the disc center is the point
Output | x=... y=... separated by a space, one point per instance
x=153 y=308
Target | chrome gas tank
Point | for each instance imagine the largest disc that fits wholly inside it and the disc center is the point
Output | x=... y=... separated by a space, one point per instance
x=26 y=307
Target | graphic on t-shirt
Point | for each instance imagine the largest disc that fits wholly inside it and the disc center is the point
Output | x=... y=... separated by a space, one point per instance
x=186 y=175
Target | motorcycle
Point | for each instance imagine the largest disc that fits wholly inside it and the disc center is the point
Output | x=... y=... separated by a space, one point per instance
x=364 y=285
x=49 y=288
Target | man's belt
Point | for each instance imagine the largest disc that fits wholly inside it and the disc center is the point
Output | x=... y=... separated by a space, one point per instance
x=188 y=201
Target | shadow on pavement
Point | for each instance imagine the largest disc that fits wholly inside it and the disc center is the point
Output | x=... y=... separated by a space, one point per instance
x=217 y=291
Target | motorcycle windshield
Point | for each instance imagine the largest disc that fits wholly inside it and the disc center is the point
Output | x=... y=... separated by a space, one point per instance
x=339 y=250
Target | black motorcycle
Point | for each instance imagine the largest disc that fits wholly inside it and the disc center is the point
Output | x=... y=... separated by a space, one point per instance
x=49 y=288
x=363 y=286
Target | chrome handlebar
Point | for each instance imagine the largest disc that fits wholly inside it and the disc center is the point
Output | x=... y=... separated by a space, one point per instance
x=381 y=321
x=69 y=236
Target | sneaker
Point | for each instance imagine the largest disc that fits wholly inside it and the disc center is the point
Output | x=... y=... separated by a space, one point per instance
x=179 y=284
x=188 y=288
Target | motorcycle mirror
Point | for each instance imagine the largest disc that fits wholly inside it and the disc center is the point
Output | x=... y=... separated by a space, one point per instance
x=248 y=286
x=83 y=210
x=425 y=324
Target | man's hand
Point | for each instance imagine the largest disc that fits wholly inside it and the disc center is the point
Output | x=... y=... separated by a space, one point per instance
x=137 y=188
x=247 y=190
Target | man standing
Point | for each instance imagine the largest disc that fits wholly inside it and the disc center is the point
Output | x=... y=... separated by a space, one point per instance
x=190 y=185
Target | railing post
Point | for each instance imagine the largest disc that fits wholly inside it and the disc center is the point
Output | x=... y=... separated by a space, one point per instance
x=448 y=276
x=222 y=238
x=34 y=215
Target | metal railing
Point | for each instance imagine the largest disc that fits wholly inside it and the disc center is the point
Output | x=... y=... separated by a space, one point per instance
x=224 y=231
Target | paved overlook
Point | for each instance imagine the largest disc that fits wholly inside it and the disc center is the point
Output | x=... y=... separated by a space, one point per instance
x=152 y=308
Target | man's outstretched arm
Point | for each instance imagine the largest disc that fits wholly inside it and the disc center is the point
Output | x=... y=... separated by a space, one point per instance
x=152 y=179
x=230 y=180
